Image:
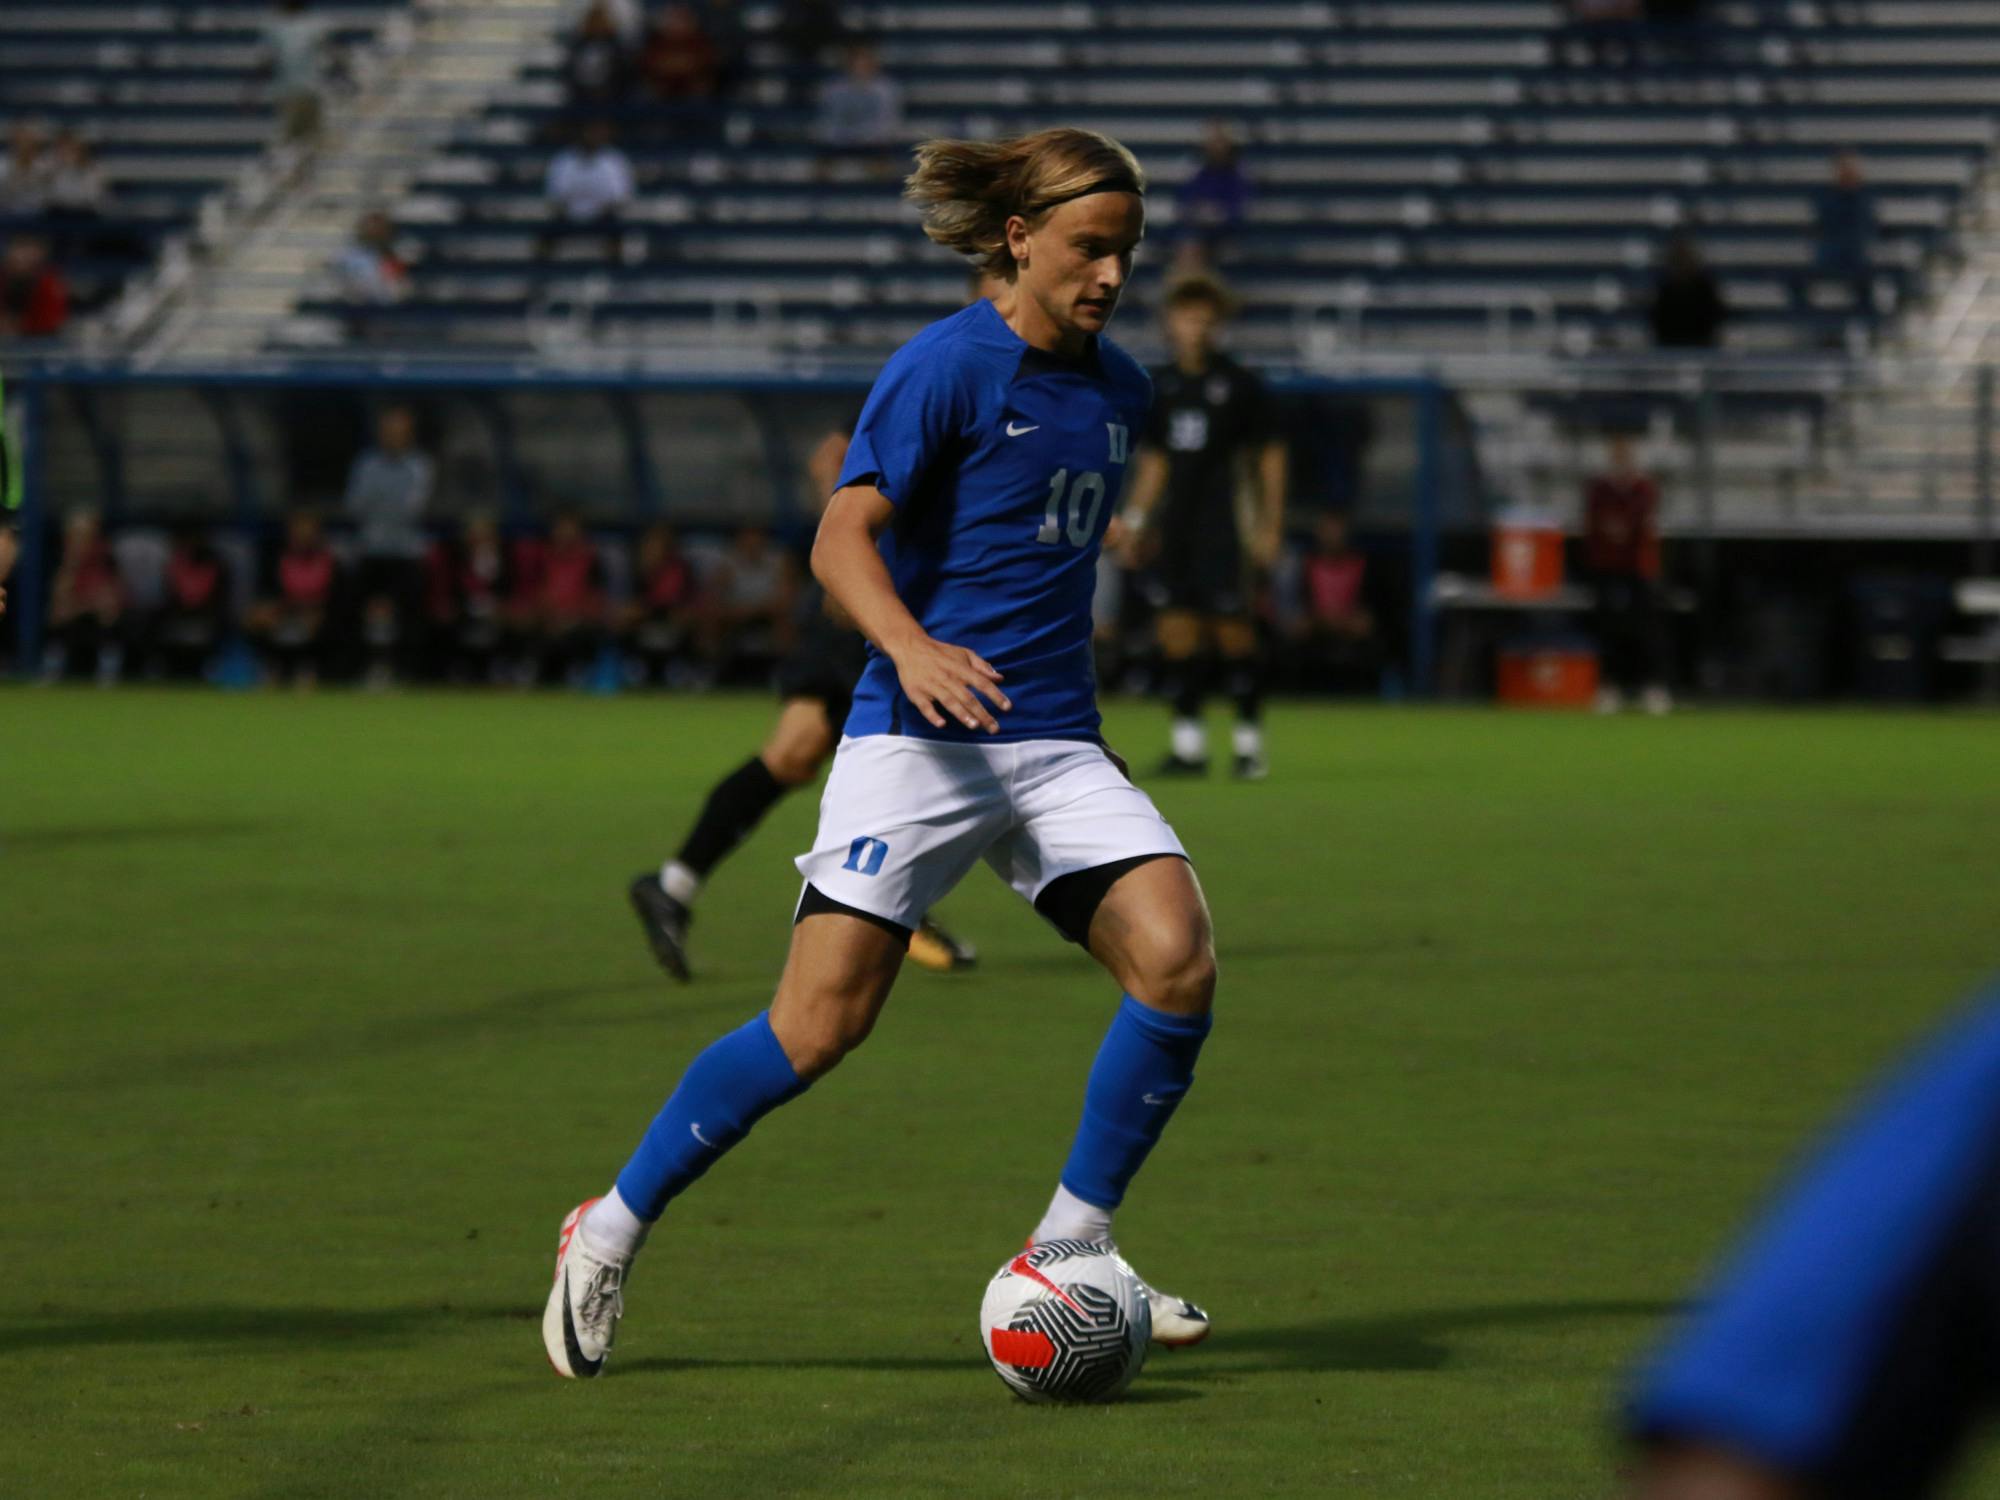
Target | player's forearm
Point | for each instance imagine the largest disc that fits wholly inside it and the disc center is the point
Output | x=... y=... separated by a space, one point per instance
x=1273 y=479
x=847 y=563
x=1147 y=486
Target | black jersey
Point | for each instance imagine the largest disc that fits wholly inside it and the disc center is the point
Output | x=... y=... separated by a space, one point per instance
x=1205 y=425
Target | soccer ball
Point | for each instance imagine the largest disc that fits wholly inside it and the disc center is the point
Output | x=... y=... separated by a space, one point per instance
x=1066 y=1320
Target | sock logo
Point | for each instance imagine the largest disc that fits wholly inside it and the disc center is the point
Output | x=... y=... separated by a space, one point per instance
x=865 y=856
x=695 y=1126
x=1158 y=1099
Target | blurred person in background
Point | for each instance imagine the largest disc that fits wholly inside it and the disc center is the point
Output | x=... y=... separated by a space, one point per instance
x=293 y=618
x=1846 y=220
x=34 y=297
x=748 y=622
x=598 y=66
x=815 y=690
x=1846 y=1350
x=861 y=111
x=472 y=601
x=388 y=497
x=563 y=620
x=25 y=171
x=589 y=186
x=1621 y=564
x=1330 y=623
x=368 y=271
x=729 y=34
x=806 y=30
x=1688 y=310
x=76 y=197
x=86 y=605
x=681 y=70
x=194 y=608
x=295 y=46
x=1214 y=203
x=658 y=625
x=1210 y=435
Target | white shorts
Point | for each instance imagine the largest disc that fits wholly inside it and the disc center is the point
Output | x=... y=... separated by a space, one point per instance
x=903 y=819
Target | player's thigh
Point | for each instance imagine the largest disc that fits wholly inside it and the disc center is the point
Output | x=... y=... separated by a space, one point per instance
x=901 y=821
x=799 y=742
x=837 y=977
x=1235 y=636
x=1151 y=931
x=1179 y=632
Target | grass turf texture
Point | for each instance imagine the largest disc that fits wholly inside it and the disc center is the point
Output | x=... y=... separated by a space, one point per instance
x=321 y=1012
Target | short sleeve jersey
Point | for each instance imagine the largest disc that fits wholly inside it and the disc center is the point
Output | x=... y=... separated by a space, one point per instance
x=1205 y=424
x=1004 y=464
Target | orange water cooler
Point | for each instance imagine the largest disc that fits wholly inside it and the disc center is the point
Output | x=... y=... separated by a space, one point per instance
x=1527 y=555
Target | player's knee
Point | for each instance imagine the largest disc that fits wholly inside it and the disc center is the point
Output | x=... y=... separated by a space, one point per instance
x=816 y=1043
x=792 y=763
x=1176 y=972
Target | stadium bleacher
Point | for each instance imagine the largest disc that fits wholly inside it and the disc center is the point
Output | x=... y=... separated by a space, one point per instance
x=172 y=95
x=1427 y=175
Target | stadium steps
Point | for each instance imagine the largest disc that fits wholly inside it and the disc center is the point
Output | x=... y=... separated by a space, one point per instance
x=458 y=55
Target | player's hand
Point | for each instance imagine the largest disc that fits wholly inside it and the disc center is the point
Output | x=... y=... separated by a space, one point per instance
x=950 y=682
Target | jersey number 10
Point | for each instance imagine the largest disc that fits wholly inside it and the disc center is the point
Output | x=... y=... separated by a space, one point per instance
x=1086 y=498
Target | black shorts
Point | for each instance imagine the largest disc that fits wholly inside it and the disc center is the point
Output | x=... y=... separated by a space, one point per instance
x=1205 y=575
x=825 y=665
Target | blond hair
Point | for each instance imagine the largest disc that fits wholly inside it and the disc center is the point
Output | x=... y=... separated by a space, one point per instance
x=968 y=190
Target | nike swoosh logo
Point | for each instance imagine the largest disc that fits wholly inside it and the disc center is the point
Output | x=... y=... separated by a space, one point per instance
x=700 y=1137
x=1020 y=1267
x=1158 y=1098
x=1013 y=431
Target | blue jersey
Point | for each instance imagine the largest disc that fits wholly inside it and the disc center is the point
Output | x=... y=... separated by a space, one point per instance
x=1004 y=464
x=1857 y=1334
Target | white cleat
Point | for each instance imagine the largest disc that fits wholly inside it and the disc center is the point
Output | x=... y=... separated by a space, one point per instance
x=1177 y=1323
x=585 y=1304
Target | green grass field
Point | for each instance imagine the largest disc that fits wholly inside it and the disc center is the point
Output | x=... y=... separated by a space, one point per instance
x=318 y=1013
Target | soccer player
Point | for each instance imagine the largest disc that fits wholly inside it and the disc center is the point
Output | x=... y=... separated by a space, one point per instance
x=963 y=541
x=815 y=685
x=1210 y=432
x=1847 y=1350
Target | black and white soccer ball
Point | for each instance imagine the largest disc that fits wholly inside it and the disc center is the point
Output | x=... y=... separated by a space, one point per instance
x=1066 y=1320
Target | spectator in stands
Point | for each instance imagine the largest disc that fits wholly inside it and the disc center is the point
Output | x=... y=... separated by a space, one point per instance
x=86 y=605
x=294 y=617
x=659 y=624
x=1213 y=203
x=1607 y=31
x=598 y=65
x=1621 y=563
x=1328 y=619
x=564 y=620
x=473 y=601
x=194 y=610
x=861 y=111
x=24 y=172
x=76 y=182
x=730 y=36
x=806 y=30
x=1688 y=310
x=368 y=270
x=295 y=43
x=1846 y=217
x=589 y=187
x=388 y=493
x=748 y=616
x=34 y=298
x=680 y=66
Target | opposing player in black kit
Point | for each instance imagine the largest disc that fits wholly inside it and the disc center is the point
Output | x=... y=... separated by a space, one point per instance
x=815 y=683
x=1210 y=433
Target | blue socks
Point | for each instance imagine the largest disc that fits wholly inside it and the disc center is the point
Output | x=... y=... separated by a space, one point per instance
x=740 y=1078
x=1141 y=1072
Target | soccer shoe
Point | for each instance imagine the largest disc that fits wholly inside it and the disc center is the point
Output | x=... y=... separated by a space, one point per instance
x=1177 y=1323
x=1175 y=765
x=666 y=923
x=1252 y=767
x=937 y=950
x=585 y=1304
